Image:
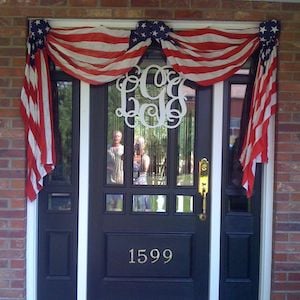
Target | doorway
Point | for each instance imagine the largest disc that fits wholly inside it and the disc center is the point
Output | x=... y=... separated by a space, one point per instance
x=148 y=222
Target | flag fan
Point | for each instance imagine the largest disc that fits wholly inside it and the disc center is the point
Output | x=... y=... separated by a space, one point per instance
x=98 y=55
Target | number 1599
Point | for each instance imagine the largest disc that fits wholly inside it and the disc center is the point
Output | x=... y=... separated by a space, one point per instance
x=142 y=256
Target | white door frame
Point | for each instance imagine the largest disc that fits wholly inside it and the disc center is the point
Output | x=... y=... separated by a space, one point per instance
x=215 y=230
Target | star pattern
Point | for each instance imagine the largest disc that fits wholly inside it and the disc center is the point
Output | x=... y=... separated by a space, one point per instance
x=38 y=31
x=149 y=29
x=268 y=34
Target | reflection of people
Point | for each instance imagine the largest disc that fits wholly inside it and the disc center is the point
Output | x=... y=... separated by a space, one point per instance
x=115 y=172
x=141 y=162
x=115 y=159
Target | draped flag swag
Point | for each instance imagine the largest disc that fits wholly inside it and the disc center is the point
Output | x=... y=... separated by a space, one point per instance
x=98 y=55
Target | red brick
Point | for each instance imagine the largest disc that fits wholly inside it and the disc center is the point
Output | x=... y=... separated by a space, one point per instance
x=3 y=263
x=294 y=276
x=294 y=237
x=12 y=233
x=83 y=2
x=17 y=264
x=114 y=3
x=17 y=224
x=4 y=244
x=18 y=204
x=12 y=254
x=290 y=6
x=145 y=3
x=17 y=244
x=18 y=163
x=280 y=257
x=158 y=13
x=10 y=293
x=3 y=203
x=266 y=5
x=188 y=14
x=53 y=2
x=293 y=296
x=279 y=286
x=176 y=3
x=281 y=237
x=294 y=257
x=133 y=13
x=278 y=297
x=12 y=194
x=19 y=284
x=4 y=284
x=280 y=276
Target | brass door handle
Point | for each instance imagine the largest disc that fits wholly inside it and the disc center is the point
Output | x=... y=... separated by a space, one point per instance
x=203 y=186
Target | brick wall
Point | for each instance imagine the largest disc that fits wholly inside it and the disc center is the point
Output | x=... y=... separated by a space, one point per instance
x=13 y=21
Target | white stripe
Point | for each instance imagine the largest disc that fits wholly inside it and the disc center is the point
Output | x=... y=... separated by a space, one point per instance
x=25 y=101
x=33 y=181
x=93 y=60
x=195 y=52
x=209 y=75
x=36 y=153
x=88 y=30
x=76 y=56
x=208 y=37
x=92 y=45
x=34 y=110
x=46 y=108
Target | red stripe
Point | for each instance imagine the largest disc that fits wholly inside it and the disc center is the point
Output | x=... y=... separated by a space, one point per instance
x=88 y=52
x=257 y=141
x=198 y=58
x=115 y=73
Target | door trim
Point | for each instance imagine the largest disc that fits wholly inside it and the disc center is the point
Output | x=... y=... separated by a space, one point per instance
x=216 y=184
x=83 y=205
x=214 y=269
x=266 y=219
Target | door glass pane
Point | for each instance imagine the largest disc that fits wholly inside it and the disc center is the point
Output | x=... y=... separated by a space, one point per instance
x=114 y=202
x=149 y=203
x=237 y=201
x=115 y=147
x=184 y=204
x=59 y=201
x=186 y=141
x=63 y=132
x=150 y=147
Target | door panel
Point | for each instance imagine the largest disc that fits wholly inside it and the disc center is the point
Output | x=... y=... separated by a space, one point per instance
x=146 y=240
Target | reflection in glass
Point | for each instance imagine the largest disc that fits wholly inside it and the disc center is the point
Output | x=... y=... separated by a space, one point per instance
x=236 y=105
x=115 y=148
x=59 y=201
x=237 y=201
x=184 y=204
x=149 y=203
x=114 y=202
x=186 y=141
x=63 y=131
x=150 y=149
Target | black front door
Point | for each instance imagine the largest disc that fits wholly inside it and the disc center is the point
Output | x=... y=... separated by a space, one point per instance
x=146 y=239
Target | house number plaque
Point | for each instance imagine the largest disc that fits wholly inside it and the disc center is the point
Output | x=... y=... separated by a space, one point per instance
x=148 y=255
x=143 y=256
